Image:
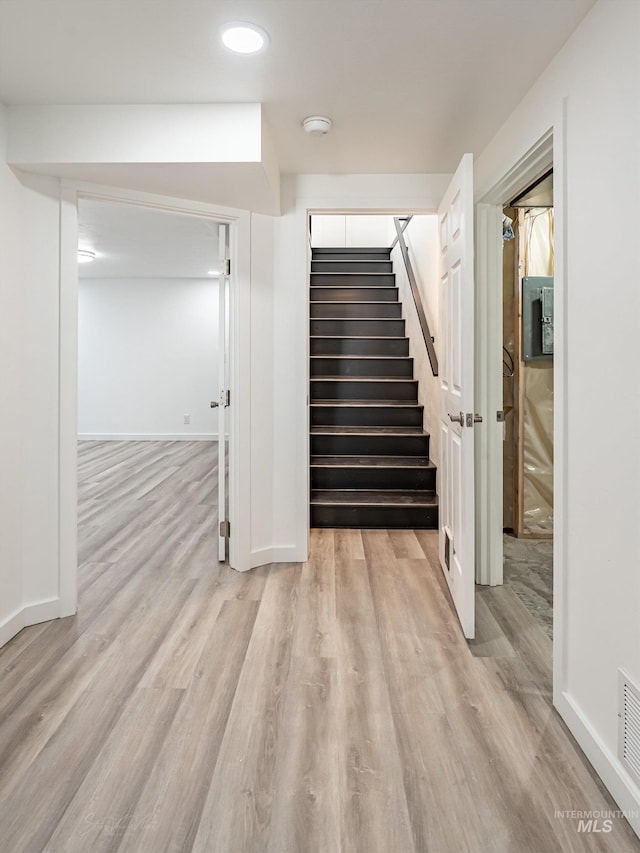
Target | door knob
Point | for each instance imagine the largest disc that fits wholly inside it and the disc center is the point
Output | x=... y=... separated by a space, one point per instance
x=473 y=419
x=457 y=419
x=213 y=404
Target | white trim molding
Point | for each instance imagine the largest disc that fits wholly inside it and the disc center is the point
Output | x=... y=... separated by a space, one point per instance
x=278 y=554
x=43 y=611
x=607 y=765
x=12 y=625
x=147 y=436
x=489 y=299
x=240 y=350
x=30 y=614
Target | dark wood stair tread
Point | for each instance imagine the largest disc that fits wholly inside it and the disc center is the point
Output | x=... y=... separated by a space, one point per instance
x=367 y=430
x=362 y=379
x=362 y=497
x=358 y=337
x=341 y=273
x=350 y=302
x=371 y=462
x=364 y=357
x=365 y=404
x=379 y=250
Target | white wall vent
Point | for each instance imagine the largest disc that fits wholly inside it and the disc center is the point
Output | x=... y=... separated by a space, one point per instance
x=629 y=724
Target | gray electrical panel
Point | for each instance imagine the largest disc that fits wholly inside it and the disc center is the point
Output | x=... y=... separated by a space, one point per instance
x=537 y=318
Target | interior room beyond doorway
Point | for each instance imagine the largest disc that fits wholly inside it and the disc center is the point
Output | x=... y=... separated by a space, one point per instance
x=528 y=276
x=148 y=355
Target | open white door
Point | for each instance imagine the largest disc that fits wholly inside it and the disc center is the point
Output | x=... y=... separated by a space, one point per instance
x=223 y=386
x=457 y=516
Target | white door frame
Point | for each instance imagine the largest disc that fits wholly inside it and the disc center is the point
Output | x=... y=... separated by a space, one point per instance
x=239 y=352
x=549 y=148
x=336 y=210
x=489 y=299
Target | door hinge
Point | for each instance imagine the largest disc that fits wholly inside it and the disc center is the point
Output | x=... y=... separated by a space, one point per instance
x=447 y=549
x=226 y=266
x=225 y=529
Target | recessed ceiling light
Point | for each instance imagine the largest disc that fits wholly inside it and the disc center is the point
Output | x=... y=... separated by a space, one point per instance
x=241 y=37
x=85 y=256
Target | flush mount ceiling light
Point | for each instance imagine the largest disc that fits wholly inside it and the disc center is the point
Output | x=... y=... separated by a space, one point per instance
x=241 y=37
x=317 y=125
x=85 y=256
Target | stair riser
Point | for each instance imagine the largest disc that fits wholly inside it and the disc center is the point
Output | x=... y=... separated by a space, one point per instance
x=353 y=294
x=355 y=254
x=362 y=367
x=366 y=416
x=351 y=266
x=360 y=346
x=365 y=279
x=369 y=445
x=373 y=478
x=347 y=310
x=327 y=389
x=375 y=517
x=357 y=328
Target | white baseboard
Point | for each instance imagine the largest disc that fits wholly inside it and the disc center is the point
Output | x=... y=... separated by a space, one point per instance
x=42 y=611
x=277 y=554
x=147 y=436
x=30 y=614
x=10 y=626
x=607 y=765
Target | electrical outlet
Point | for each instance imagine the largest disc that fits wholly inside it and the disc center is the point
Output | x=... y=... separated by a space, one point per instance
x=187 y=419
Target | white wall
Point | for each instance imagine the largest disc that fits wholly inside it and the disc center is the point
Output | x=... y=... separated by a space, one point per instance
x=422 y=239
x=589 y=94
x=11 y=398
x=340 y=230
x=264 y=394
x=147 y=355
x=40 y=246
x=35 y=574
x=135 y=133
x=29 y=264
x=216 y=153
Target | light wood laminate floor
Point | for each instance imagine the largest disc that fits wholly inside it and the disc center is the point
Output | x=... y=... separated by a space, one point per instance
x=316 y=708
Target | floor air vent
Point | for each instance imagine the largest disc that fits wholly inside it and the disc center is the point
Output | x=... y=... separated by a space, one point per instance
x=629 y=727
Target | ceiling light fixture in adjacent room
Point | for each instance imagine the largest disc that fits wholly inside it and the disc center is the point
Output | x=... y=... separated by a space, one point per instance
x=317 y=125
x=240 y=37
x=85 y=256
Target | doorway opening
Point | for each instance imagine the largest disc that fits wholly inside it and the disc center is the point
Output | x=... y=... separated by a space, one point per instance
x=372 y=389
x=153 y=384
x=528 y=350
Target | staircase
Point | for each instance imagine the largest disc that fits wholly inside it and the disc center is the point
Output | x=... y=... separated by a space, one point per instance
x=370 y=462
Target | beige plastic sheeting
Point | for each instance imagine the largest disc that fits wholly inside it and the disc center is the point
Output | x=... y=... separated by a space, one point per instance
x=509 y=311
x=537 y=255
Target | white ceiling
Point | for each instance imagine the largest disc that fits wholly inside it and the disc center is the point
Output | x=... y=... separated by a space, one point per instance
x=131 y=241
x=409 y=84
